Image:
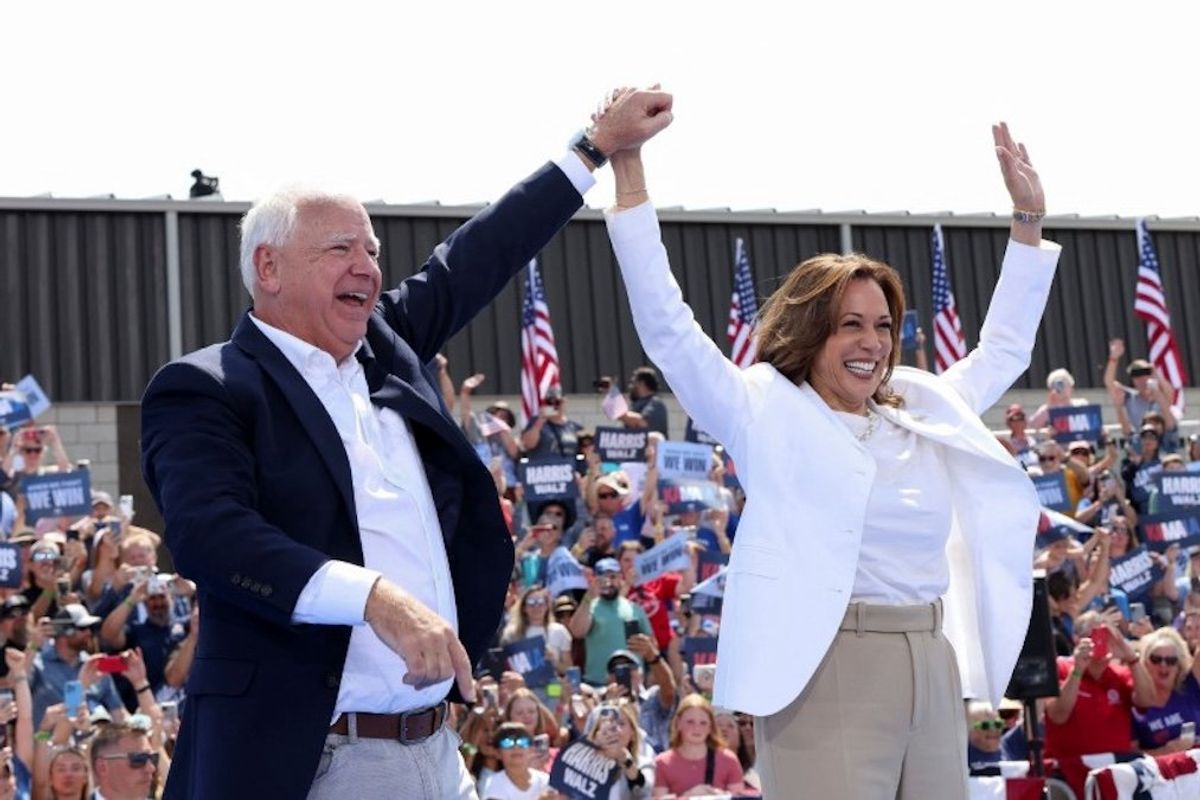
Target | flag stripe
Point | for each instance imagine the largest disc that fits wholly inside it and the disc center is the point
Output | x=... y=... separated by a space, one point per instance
x=1150 y=306
x=949 y=344
x=743 y=310
x=539 y=356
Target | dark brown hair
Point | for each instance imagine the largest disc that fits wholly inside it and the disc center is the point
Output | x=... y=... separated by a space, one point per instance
x=802 y=313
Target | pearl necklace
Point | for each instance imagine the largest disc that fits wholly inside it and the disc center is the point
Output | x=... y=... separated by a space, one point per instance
x=872 y=423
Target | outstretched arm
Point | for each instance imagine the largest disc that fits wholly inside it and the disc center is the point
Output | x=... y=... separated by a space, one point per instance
x=1008 y=333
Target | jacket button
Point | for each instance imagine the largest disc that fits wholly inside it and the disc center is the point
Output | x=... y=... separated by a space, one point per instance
x=237 y=578
x=332 y=681
x=266 y=590
x=246 y=583
x=254 y=587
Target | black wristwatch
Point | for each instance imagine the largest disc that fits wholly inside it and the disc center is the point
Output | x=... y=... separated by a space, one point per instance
x=587 y=147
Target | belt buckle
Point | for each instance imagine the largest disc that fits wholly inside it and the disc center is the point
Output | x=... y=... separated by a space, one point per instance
x=404 y=716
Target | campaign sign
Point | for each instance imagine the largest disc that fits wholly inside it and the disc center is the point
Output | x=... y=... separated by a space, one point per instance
x=1052 y=491
x=1177 y=491
x=14 y=409
x=10 y=566
x=59 y=495
x=38 y=402
x=698 y=435
x=699 y=650
x=548 y=478
x=1160 y=531
x=1070 y=423
x=682 y=496
x=528 y=657
x=669 y=555
x=685 y=460
x=583 y=772
x=908 y=329
x=563 y=573
x=621 y=444
x=1135 y=572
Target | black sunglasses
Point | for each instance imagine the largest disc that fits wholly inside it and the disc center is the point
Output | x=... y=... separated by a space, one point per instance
x=1170 y=661
x=136 y=760
x=606 y=495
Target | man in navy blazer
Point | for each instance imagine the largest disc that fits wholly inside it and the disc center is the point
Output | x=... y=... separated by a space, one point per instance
x=347 y=544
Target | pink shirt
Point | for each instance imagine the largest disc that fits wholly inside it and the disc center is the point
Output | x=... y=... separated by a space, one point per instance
x=678 y=774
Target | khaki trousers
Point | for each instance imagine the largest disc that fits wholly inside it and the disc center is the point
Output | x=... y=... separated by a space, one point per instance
x=881 y=719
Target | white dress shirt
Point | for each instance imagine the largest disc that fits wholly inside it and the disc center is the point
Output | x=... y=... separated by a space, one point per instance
x=902 y=559
x=397 y=521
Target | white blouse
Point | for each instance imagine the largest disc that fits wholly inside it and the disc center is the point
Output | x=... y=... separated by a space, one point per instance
x=903 y=556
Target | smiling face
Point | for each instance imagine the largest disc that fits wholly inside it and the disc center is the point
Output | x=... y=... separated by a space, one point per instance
x=694 y=726
x=323 y=282
x=853 y=360
x=1163 y=665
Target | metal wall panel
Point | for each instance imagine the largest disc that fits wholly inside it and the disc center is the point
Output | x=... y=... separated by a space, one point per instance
x=82 y=301
x=83 y=285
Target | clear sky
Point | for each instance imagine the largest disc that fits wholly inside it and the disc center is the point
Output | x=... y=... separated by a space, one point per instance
x=786 y=105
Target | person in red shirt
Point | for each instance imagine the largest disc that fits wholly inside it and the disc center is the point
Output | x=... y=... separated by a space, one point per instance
x=654 y=596
x=698 y=762
x=1098 y=687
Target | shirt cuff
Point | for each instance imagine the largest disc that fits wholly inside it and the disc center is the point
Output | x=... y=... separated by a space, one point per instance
x=336 y=594
x=571 y=163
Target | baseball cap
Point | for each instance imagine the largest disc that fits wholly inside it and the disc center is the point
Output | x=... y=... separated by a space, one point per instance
x=607 y=566
x=564 y=603
x=76 y=616
x=621 y=655
x=99 y=497
x=14 y=605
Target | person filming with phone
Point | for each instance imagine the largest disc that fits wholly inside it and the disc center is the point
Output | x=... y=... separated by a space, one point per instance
x=606 y=620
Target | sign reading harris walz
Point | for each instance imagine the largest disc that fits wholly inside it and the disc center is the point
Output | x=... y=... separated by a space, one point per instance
x=1175 y=511
x=548 y=478
x=615 y=445
x=1071 y=423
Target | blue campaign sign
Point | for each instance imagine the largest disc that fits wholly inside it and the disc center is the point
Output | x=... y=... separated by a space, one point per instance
x=685 y=460
x=39 y=402
x=615 y=445
x=670 y=555
x=528 y=657
x=583 y=772
x=57 y=495
x=1052 y=491
x=1135 y=573
x=1070 y=423
x=1160 y=531
x=10 y=566
x=908 y=329
x=548 y=478
x=682 y=496
x=1175 y=491
x=700 y=650
x=14 y=409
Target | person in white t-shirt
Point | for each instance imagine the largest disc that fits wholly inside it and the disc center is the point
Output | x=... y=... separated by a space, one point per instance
x=531 y=618
x=517 y=781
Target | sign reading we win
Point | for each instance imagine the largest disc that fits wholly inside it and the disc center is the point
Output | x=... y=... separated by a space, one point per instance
x=57 y=495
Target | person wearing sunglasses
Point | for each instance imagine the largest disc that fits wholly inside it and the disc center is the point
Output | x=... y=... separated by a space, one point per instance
x=984 y=732
x=531 y=618
x=1018 y=442
x=517 y=781
x=1176 y=678
x=124 y=763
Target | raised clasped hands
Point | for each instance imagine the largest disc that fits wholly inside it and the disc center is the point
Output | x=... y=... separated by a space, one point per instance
x=627 y=118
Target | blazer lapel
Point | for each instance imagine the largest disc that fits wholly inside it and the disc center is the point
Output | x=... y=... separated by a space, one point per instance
x=313 y=416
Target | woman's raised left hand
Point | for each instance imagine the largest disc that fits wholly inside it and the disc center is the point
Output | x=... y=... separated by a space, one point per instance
x=1020 y=178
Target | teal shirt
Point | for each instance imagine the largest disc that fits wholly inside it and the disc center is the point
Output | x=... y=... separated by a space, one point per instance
x=607 y=635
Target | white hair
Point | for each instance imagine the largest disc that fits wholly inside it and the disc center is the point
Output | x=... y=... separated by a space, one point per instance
x=1059 y=374
x=272 y=220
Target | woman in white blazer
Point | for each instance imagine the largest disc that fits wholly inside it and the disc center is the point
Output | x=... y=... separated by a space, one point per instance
x=877 y=501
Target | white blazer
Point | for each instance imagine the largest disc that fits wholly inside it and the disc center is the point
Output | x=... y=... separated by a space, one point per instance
x=807 y=479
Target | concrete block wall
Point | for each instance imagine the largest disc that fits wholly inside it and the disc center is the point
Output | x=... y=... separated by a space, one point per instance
x=89 y=431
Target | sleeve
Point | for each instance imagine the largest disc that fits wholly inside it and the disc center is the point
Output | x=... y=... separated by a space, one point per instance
x=472 y=266
x=711 y=389
x=201 y=471
x=1008 y=333
x=336 y=594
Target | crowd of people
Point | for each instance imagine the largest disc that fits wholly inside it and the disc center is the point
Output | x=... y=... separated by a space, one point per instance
x=98 y=643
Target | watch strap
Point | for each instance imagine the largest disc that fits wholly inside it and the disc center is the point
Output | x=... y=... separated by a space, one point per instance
x=588 y=148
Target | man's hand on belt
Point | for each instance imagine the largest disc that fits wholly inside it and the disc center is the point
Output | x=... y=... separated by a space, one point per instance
x=424 y=640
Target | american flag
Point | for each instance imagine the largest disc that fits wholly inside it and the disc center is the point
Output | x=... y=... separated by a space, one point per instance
x=539 y=358
x=743 y=310
x=1150 y=306
x=949 y=345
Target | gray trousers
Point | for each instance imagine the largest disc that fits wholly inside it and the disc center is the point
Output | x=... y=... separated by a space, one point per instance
x=881 y=719
x=383 y=769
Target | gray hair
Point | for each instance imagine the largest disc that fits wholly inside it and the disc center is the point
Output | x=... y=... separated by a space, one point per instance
x=272 y=220
x=1060 y=374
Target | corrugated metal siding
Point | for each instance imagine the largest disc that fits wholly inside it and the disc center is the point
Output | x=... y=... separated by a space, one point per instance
x=82 y=303
x=84 y=288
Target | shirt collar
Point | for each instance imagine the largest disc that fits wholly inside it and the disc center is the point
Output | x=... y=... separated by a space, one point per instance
x=308 y=359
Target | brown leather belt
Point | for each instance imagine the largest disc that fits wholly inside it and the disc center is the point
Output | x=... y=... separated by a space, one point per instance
x=410 y=727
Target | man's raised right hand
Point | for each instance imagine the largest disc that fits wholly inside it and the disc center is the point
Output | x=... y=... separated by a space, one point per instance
x=631 y=118
x=424 y=640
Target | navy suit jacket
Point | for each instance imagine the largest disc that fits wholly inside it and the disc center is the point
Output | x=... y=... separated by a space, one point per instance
x=255 y=487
